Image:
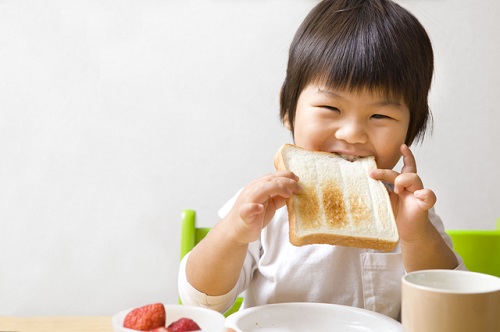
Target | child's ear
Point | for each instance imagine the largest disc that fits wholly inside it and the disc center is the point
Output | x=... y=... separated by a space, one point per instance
x=286 y=122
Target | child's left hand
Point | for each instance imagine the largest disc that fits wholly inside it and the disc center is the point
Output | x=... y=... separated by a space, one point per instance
x=410 y=200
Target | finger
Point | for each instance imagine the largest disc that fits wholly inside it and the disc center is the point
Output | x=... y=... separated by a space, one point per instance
x=426 y=197
x=265 y=190
x=407 y=181
x=286 y=174
x=409 y=163
x=386 y=175
x=278 y=202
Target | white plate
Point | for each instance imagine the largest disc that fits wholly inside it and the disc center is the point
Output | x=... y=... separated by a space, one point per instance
x=289 y=317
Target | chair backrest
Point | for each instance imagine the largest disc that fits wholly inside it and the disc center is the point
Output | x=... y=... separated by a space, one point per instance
x=480 y=249
x=190 y=236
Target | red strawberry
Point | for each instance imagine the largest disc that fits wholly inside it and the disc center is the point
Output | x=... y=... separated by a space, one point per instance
x=146 y=318
x=161 y=329
x=184 y=325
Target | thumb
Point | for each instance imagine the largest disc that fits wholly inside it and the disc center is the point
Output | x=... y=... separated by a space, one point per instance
x=250 y=212
x=426 y=198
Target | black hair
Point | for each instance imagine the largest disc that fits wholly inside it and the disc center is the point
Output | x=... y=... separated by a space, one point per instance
x=362 y=44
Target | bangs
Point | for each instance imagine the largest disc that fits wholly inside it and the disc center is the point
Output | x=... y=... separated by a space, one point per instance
x=359 y=67
x=360 y=55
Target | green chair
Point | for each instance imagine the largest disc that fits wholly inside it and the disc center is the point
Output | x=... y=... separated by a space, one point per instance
x=480 y=249
x=190 y=236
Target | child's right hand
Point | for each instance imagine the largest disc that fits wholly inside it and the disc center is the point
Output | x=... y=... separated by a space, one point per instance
x=257 y=204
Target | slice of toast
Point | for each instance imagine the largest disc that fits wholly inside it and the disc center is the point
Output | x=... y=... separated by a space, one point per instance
x=340 y=203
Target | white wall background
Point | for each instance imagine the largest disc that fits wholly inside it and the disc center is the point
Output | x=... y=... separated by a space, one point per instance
x=117 y=114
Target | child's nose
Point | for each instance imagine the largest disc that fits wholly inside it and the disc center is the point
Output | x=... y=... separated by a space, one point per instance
x=352 y=132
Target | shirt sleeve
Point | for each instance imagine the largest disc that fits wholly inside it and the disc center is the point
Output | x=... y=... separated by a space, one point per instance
x=438 y=224
x=191 y=296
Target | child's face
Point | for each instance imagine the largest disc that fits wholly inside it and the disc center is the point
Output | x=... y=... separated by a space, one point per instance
x=351 y=123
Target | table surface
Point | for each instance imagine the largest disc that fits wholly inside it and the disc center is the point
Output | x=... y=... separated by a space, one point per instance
x=56 y=324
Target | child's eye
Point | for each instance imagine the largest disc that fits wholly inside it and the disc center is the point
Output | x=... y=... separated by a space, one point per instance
x=331 y=108
x=380 y=116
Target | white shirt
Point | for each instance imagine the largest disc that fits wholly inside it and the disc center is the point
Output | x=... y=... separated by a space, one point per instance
x=275 y=271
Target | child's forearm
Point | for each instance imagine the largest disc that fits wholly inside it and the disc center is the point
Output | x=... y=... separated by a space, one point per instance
x=428 y=252
x=214 y=265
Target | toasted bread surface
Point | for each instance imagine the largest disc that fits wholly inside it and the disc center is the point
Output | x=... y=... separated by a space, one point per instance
x=340 y=204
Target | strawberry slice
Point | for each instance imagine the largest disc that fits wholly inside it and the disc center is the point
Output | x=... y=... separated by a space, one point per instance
x=184 y=325
x=146 y=318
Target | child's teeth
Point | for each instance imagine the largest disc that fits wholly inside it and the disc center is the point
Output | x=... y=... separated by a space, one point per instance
x=349 y=157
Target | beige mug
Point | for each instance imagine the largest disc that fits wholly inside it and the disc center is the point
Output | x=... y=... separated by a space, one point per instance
x=450 y=301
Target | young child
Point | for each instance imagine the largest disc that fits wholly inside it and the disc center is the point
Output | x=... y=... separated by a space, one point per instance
x=357 y=83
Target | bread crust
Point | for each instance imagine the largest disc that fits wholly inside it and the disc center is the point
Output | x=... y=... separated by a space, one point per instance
x=279 y=164
x=328 y=201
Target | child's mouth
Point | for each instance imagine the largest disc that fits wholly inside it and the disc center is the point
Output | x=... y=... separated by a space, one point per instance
x=349 y=157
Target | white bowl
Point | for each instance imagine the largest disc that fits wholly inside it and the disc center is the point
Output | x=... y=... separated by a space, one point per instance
x=292 y=317
x=209 y=320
